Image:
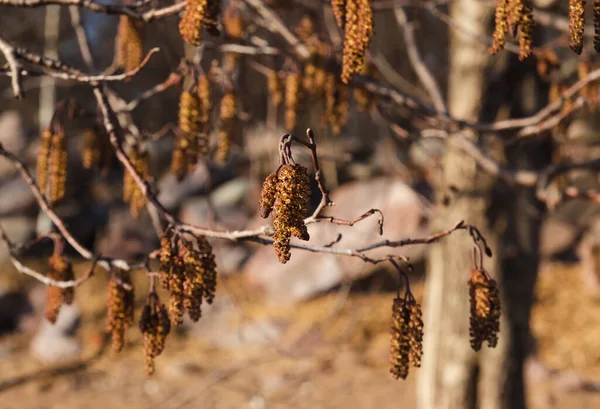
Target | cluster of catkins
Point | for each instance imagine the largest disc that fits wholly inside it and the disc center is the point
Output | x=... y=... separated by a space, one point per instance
x=188 y=272
x=286 y=196
x=129 y=45
x=514 y=17
x=484 y=309
x=52 y=162
x=355 y=17
x=132 y=193
x=406 y=346
x=60 y=269
x=199 y=14
x=195 y=106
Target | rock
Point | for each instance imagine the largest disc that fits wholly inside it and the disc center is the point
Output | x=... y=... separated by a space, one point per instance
x=556 y=236
x=307 y=273
x=231 y=193
x=126 y=238
x=198 y=212
x=15 y=197
x=55 y=343
x=12 y=138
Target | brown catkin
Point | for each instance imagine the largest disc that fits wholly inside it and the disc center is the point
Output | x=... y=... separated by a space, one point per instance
x=400 y=347
x=597 y=25
x=292 y=199
x=267 y=195
x=359 y=30
x=121 y=304
x=132 y=193
x=576 y=24
x=185 y=153
x=484 y=310
x=274 y=88
x=226 y=127
x=59 y=269
x=199 y=14
x=130 y=48
x=526 y=24
x=233 y=22
x=57 y=178
x=514 y=16
x=43 y=158
x=292 y=100
x=91 y=154
x=339 y=11
x=154 y=326
x=415 y=329
x=501 y=28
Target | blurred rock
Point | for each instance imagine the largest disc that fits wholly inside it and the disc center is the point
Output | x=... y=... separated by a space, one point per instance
x=556 y=236
x=127 y=238
x=231 y=193
x=307 y=274
x=15 y=197
x=55 y=343
x=12 y=137
x=222 y=326
x=197 y=211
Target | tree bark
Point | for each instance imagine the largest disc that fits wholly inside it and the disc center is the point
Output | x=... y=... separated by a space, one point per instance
x=448 y=377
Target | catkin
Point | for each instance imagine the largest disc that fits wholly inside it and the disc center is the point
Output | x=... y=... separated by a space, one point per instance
x=154 y=326
x=526 y=24
x=58 y=162
x=132 y=193
x=406 y=345
x=576 y=24
x=339 y=11
x=43 y=158
x=359 y=30
x=130 y=47
x=292 y=100
x=597 y=25
x=121 y=304
x=199 y=14
x=274 y=88
x=501 y=28
x=226 y=127
x=91 y=153
x=292 y=200
x=59 y=269
x=484 y=310
x=185 y=154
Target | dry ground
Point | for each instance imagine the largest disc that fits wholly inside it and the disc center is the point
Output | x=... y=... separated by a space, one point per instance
x=333 y=353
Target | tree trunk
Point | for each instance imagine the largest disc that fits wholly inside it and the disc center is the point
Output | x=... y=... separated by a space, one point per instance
x=453 y=376
x=449 y=373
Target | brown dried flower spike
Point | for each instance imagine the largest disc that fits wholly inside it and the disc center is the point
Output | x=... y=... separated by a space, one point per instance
x=60 y=269
x=485 y=309
x=121 y=304
x=130 y=47
x=155 y=326
x=359 y=29
x=199 y=14
x=576 y=24
x=406 y=346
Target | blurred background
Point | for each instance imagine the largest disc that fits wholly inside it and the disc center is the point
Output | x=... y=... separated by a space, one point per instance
x=314 y=333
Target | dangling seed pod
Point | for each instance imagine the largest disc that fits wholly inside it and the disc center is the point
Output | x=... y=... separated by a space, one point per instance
x=185 y=154
x=292 y=200
x=91 y=153
x=501 y=28
x=267 y=195
x=274 y=87
x=59 y=269
x=43 y=158
x=130 y=47
x=485 y=310
x=359 y=29
x=292 y=100
x=337 y=104
x=121 y=304
x=597 y=25
x=154 y=326
x=57 y=179
x=226 y=127
x=415 y=325
x=526 y=24
x=190 y=276
x=339 y=11
x=199 y=14
x=400 y=344
x=132 y=193
x=576 y=24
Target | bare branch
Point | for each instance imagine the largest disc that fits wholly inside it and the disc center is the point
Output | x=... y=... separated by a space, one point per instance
x=15 y=72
